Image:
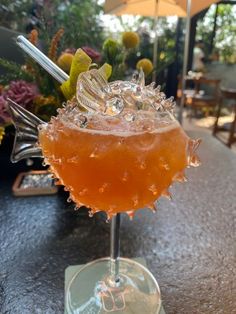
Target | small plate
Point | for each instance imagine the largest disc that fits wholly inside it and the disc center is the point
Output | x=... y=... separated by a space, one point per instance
x=34 y=183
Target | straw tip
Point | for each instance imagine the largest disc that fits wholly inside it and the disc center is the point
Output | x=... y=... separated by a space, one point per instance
x=20 y=38
x=11 y=102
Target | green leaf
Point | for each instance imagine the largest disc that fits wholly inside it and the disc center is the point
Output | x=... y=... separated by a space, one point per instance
x=14 y=72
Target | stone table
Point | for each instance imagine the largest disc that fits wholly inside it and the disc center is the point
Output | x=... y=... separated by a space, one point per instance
x=189 y=244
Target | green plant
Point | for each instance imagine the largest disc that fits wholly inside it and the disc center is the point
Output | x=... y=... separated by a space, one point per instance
x=224 y=39
x=80 y=20
x=14 y=72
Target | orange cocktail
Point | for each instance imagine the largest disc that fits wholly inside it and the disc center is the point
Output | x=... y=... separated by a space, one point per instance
x=114 y=165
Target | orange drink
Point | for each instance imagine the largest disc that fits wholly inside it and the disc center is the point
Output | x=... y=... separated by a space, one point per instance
x=114 y=165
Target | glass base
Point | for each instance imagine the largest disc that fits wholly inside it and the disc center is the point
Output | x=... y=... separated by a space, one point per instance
x=91 y=290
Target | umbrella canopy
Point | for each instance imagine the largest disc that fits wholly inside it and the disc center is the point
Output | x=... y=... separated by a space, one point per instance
x=147 y=7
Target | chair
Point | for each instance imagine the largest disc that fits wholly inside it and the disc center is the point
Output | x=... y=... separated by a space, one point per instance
x=226 y=94
x=205 y=97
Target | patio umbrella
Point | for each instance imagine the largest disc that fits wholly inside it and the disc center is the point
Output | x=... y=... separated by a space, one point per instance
x=155 y=8
x=147 y=7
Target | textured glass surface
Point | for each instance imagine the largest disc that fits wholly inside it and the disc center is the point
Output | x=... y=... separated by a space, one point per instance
x=26 y=136
x=92 y=291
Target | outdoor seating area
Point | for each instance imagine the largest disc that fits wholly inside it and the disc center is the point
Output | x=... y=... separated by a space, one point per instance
x=117 y=157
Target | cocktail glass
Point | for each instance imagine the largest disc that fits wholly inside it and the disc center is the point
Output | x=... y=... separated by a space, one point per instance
x=118 y=156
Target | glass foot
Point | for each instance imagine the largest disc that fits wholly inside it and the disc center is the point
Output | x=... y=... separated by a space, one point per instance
x=91 y=290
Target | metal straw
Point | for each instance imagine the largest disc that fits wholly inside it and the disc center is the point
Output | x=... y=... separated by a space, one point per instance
x=41 y=59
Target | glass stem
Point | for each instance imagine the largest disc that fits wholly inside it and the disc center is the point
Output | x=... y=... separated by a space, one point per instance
x=115 y=248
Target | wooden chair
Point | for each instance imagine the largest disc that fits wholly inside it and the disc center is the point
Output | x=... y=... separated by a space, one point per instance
x=206 y=96
x=226 y=94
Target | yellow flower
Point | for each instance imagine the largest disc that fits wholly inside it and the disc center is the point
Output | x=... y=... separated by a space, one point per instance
x=45 y=106
x=2 y=133
x=41 y=100
x=65 y=60
x=146 y=65
x=130 y=39
x=162 y=55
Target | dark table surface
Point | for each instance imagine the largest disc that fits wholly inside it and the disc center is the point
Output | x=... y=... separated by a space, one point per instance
x=189 y=244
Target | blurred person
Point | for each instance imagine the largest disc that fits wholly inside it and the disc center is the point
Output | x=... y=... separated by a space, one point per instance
x=198 y=57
